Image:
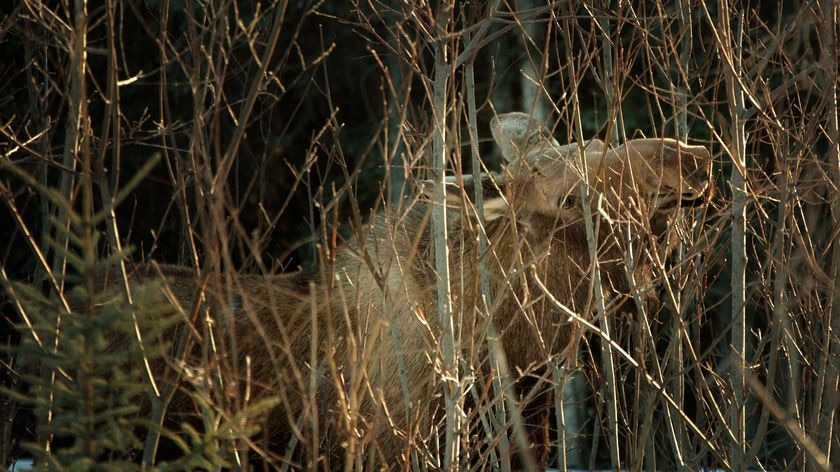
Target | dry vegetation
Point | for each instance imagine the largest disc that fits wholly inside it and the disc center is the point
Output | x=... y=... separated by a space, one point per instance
x=245 y=140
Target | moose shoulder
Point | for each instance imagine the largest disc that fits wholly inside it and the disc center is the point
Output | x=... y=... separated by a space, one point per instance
x=366 y=327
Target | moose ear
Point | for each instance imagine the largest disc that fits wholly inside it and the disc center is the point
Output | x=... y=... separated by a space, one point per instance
x=572 y=151
x=516 y=133
x=493 y=193
x=596 y=145
x=492 y=189
x=452 y=188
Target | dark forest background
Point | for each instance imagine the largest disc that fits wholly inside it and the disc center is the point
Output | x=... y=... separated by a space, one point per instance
x=307 y=116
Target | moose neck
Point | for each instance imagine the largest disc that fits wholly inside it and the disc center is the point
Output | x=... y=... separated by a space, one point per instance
x=528 y=253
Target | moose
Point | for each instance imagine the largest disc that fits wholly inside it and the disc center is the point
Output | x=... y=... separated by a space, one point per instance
x=352 y=349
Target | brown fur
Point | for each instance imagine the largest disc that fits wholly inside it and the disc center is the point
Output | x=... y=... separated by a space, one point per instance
x=535 y=228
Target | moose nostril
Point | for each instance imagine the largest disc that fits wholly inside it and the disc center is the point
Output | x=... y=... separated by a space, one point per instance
x=695 y=193
x=695 y=190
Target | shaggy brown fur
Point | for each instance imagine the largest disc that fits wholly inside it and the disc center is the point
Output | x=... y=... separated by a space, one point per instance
x=381 y=290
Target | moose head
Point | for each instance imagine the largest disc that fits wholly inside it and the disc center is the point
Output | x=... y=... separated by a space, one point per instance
x=643 y=181
x=537 y=227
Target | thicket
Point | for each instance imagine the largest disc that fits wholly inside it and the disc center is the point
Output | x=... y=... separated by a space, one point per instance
x=254 y=136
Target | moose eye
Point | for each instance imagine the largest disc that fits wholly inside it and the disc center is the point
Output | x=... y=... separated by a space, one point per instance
x=567 y=202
